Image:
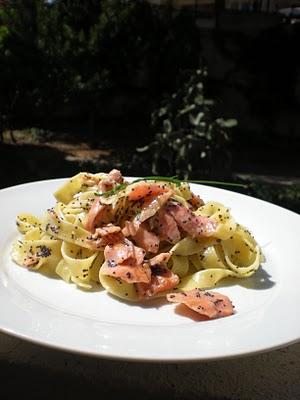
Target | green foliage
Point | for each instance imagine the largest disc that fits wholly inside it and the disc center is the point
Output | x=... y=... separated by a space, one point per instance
x=190 y=141
x=72 y=55
x=19 y=57
x=48 y=53
x=287 y=196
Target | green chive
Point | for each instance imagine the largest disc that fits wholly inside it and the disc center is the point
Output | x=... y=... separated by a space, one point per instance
x=172 y=179
x=178 y=182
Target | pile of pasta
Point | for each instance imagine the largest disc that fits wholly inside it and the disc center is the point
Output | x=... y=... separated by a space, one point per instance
x=58 y=244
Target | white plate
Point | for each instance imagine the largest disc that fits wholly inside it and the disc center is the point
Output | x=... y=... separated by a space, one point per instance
x=53 y=313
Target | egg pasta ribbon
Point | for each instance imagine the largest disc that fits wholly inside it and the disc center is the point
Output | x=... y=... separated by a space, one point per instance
x=41 y=253
x=76 y=264
x=119 y=288
x=58 y=227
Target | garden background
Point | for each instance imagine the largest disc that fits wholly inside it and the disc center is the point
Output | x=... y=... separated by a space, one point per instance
x=205 y=91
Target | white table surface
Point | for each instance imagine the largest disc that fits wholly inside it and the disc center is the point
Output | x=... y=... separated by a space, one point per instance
x=55 y=374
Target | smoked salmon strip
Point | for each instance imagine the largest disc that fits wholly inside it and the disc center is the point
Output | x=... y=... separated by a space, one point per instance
x=98 y=214
x=108 y=234
x=126 y=261
x=128 y=271
x=162 y=279
x=192 y=224
x=144 y=189
x=146 y=239
x=207 y=303
x=149 y=207
x=113 y=178
x=195 y=201
x=160 y=260
x=121 y=251
x=167 y=227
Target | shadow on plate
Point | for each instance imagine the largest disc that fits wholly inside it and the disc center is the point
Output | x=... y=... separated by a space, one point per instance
x=96 y=287
x=151 y=303
x=261 y=280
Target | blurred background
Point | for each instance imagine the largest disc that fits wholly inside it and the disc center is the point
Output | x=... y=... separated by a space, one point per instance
x=206 y=89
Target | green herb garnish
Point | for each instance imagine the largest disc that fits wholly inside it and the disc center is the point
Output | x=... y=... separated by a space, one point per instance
x=172 y=179
x=178 y=182
x=116 y=189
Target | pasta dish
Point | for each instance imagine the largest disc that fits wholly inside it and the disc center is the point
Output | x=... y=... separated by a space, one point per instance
x=144 y=239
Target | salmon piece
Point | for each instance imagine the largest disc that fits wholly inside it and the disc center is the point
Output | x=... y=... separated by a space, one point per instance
x=167 y=227
x=97 y=215
x=128 y=272
x=121 y=251
x=107 y=230
x=160 y=260
x=117 y=253
x=192 y=224
x=30 y=261
x=113 y=178
x=144 y=189
x=210 y=304
x=146 y=239
x=126 y=261
x=108 y=234
x=116 y=175
x=150 y=207
x=196 y=201
x=130 y=228
x=162 y=279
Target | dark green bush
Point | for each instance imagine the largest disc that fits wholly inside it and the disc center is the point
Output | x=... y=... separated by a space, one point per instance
x=287 y=196
x=190 y=141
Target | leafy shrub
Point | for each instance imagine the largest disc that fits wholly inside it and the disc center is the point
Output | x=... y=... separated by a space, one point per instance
x=287 y=196
x=190 y=141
